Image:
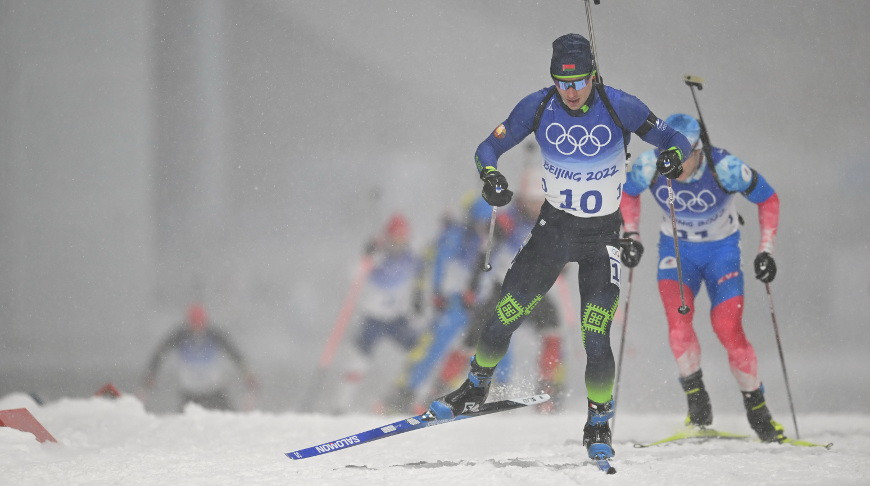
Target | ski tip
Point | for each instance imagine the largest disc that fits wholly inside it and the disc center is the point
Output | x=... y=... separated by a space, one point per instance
x=804 y=443
x=604 y=466
x=532 y=400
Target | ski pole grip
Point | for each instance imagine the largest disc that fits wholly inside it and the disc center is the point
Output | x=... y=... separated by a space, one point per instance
x=694 y=81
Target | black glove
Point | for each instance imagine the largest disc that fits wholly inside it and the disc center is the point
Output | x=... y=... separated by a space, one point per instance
x=765 y=267
x=669 y=163
x=632 y=249
x=495 y=187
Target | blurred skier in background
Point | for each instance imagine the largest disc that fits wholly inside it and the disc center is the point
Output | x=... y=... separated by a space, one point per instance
x=708 y=227
x=513 y=227
x=204 y=358
x=391 y=296
x=456 y=253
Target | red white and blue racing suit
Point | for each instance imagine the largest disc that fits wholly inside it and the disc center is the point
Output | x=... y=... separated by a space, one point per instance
x=709 y=241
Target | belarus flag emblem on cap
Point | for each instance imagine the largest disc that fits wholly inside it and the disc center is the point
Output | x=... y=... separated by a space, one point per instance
x=568 y=67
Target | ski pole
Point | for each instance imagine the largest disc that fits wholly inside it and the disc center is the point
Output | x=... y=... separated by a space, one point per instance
x=782 y=360
x=345 y=313
x=695 y=82
x=338 y=329
x=487 y=266
x=592 y=38
x=683 y=309
x=621 y=346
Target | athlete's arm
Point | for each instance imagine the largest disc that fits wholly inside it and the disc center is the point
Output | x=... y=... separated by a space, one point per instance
x=229 y=348
x=736 y=176
x=637 y=118
x=173 y=341
x=630 y=208
x=768 y=219
x=511 y=132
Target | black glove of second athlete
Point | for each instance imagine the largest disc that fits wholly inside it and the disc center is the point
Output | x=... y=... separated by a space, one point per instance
x=495 y=187
x=765 y=267
x=669 y=163
x=632 y=249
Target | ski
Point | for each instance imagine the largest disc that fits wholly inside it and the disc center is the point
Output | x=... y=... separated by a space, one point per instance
x=805 y=443
x=709 y=434
x=604 y=465
x=413 y=423
x=694 y=433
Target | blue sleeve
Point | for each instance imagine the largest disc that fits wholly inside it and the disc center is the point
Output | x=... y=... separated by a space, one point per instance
x=511 y=132
x=762 y=190
x=641 y=174
x=633 y=114
x=736 y=176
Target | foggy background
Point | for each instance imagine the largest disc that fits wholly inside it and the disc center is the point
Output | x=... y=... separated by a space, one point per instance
x=241 y=153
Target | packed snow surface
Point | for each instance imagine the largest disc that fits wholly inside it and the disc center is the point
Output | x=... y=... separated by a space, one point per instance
x=103 y=441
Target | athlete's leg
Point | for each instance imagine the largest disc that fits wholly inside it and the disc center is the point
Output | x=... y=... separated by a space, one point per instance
x=727 y=323
x=598 y=280
x=724 y=281
x=400 y=330
x=456 y=362
x=546 y=320
x=533 y=272
x=681 y=333
x=356 y=364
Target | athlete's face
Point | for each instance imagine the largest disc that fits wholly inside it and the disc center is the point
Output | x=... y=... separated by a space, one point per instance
x=573 y=97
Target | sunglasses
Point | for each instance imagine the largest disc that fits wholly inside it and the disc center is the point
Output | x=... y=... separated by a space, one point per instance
x=577 y=84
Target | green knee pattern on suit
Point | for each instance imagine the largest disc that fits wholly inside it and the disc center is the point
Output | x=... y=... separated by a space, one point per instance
x=509 y=309
x=597 y=319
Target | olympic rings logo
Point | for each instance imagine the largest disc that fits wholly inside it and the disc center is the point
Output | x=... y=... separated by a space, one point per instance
x=688 y=200
x=576 y=141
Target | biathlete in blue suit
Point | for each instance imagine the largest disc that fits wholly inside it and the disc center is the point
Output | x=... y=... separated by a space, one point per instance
x=514 y=223
x=455 y=256
x=583 y=129
x=709 y=241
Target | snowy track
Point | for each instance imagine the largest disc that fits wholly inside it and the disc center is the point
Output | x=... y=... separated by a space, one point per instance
x=117 y=442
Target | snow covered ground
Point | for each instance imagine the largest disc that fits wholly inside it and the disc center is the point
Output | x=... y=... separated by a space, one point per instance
x=102 y=441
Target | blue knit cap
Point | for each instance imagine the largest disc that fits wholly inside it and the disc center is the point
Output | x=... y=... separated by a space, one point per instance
x=572 y=57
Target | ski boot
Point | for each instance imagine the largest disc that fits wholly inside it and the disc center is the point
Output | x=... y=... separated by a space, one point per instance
x=596 y=433
x=468 y=397
x=700 y=412
x=760 y=420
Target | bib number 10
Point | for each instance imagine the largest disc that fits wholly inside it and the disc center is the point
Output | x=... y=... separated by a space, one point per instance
x=590 y=201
